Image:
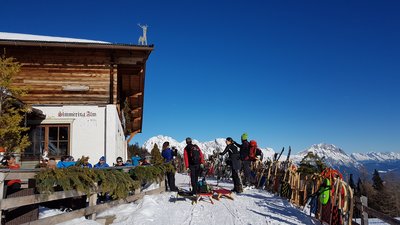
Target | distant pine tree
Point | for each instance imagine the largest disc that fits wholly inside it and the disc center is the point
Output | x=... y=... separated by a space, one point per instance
x=311 y=163
x=156 y=157
x=359 y=187
x=137 y=150
x=351 y=182
x=377 y=181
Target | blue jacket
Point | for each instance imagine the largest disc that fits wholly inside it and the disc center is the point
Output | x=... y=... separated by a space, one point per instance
x=135 y=160
x=167 y=154
x=87 y=165
x=98 y=165
x=64 y=164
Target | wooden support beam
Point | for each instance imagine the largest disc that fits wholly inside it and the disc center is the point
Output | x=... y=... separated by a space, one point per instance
x=14 y=202
x=2 y=185
x=20 y=176
x=135 y=94
x=136 y=110
x=131 y=136
x=128 y=60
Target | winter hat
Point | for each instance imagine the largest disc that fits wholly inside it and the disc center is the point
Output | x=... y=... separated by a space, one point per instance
x=188 y=140
x=244 y=136
x=102 y=158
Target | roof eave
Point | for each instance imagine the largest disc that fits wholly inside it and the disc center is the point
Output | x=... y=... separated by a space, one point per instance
x=88 y=45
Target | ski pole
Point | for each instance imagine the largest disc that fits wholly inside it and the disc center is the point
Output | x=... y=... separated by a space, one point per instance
x=190 y=183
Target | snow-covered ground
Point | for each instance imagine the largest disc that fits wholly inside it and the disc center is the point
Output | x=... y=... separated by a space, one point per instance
x=251 y=207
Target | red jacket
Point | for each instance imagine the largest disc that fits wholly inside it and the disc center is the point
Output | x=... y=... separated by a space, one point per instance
x=186 y=157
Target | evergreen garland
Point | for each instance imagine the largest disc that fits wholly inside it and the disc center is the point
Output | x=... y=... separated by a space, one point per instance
x=116 y=183
x=145 y=174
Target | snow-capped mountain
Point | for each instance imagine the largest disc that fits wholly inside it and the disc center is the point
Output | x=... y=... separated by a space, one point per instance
x=337 y=158
x=334 y=157
x=208 y=147
x=384 y=162
x=376 y=156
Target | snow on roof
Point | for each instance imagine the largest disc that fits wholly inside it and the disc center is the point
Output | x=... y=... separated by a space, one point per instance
x=30 y=37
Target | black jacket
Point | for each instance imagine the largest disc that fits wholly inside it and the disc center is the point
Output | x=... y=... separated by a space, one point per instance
x=244 y=150
x=234 y=155
x=231 y=149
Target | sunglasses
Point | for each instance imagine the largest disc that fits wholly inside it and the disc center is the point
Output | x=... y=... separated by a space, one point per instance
x=119 y=161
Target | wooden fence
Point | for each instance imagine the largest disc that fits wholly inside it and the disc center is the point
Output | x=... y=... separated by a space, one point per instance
x=361 y=204
x=32 y=199
x=283 y=179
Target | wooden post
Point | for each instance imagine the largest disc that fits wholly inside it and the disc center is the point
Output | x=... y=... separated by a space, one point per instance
x=137 y=191
x=364 y=216
x=351 y=204
x=162 y=184
x=93 y=202
x=2 y=177
x=305 y=194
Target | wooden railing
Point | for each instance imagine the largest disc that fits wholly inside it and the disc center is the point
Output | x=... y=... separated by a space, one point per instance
x=362 y=205
x=91 y=210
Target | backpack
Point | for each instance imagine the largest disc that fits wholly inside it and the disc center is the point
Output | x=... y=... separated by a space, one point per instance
x=194 y=155
x=203 y=187
x=253 y=150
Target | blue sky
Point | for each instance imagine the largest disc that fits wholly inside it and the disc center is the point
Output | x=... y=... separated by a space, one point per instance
x=286 y=72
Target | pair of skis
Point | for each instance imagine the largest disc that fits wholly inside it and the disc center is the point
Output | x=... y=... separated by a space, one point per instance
x=278 y=156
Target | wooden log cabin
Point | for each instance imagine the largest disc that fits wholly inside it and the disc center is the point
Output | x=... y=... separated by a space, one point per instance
x=90 y=92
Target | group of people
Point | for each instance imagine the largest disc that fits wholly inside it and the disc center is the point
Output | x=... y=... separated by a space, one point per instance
x=240 y=158
x=68 y=161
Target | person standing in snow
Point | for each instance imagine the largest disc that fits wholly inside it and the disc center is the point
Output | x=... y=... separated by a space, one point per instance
x=234 y=163
x=194 y=162
x=245 y=157
x=168 y=156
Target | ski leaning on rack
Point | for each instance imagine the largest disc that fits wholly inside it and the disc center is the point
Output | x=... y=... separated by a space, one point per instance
x=285 y=188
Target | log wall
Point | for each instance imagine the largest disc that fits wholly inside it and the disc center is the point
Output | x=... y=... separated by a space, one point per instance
x=45 y=84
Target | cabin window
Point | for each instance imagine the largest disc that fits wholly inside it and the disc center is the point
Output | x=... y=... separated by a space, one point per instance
x=53 y=137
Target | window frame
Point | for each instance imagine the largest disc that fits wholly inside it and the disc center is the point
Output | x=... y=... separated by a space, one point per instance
x=47 y=141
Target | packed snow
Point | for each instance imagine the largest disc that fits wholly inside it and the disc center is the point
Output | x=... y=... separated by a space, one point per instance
x=253 y=206
x=31 y=37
